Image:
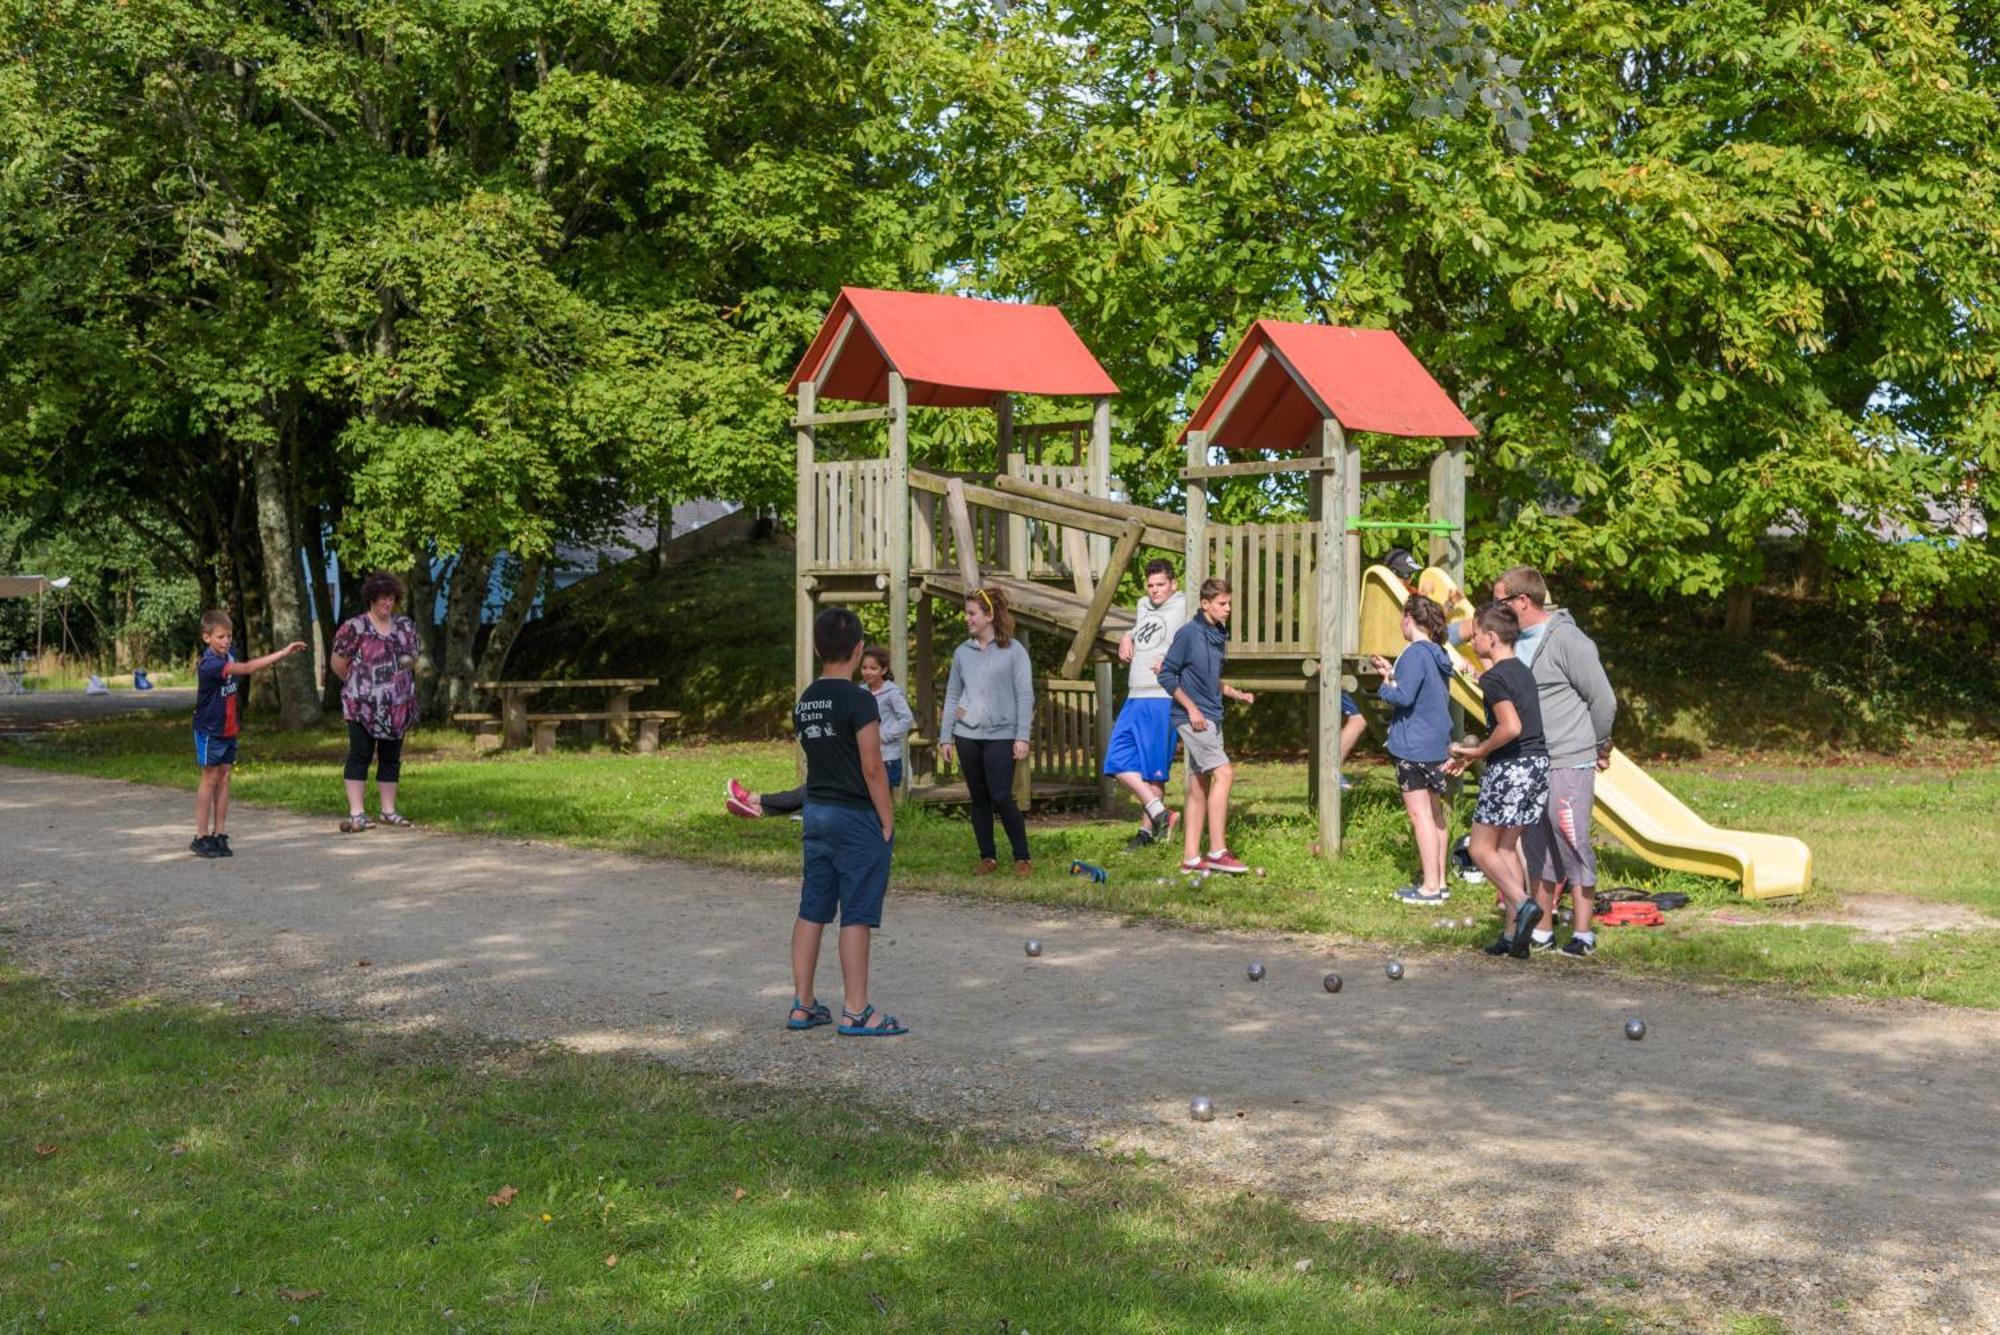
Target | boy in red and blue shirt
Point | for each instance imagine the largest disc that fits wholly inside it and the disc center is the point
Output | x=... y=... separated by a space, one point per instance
x=216 y=724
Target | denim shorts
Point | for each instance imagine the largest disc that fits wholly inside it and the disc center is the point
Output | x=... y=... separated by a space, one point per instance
x=846 y=865
x=895 y=768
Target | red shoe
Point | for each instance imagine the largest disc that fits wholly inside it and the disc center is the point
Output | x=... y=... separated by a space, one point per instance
x=743 y=809
x=1225 y=862
x=735 y=790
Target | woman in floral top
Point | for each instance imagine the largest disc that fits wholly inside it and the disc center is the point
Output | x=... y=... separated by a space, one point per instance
x=375 y=657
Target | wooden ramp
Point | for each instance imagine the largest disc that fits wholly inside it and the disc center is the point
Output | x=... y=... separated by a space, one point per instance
x=1037 y=606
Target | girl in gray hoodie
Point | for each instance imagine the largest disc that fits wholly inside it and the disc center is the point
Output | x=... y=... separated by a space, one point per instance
x=989 y=707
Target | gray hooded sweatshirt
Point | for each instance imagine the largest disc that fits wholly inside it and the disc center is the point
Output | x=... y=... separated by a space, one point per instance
x=1577 y=704
x=990 y=695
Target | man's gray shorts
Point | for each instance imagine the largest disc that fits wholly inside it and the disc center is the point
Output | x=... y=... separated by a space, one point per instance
x=1557 y=847
x=1204 y=748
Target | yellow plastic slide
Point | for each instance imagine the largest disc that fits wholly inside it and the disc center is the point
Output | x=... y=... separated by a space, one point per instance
x=1645 y=817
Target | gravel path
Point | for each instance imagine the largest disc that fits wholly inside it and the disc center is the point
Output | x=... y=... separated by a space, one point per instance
x=37 y=711
x=1836 y=1165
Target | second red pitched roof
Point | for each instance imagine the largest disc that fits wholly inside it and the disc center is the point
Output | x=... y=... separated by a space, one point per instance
x=1283 y=378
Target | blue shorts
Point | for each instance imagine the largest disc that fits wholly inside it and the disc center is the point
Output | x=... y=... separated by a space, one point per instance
x=1142 y=741
x=846 y=864
x=895 y=768
x=210 y=750
x=1348 y=709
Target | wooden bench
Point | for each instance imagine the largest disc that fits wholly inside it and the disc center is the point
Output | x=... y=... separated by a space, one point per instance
x=486 y=730
x=649 y=721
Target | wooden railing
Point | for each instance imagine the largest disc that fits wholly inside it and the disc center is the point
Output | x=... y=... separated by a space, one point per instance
x=1272 y=570
x=1063 y=747
x=850 y=529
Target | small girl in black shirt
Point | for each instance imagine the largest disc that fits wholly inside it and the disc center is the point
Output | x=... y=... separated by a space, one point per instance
x=1515 y=787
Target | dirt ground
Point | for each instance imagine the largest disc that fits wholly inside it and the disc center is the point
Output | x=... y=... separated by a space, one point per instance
x=1833 y=1165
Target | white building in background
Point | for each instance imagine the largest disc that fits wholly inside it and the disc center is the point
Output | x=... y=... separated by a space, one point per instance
x=637 y=533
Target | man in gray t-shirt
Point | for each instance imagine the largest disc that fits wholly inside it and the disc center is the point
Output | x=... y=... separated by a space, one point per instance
x=1578 y=709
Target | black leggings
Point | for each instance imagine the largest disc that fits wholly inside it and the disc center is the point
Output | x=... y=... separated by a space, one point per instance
x=989 y=777
x=386 y=751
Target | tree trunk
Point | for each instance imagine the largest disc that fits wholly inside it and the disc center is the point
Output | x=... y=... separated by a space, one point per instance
x=469 y=580
x=664 y=535
x=284 y=595
x=507 y=628
x=423 y=586
x=1736 y=611
x=326 y=604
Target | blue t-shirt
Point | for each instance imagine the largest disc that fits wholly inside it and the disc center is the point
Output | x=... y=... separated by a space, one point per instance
x=214 y=696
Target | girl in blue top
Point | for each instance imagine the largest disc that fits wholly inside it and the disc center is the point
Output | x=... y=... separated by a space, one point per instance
x=1418 y=685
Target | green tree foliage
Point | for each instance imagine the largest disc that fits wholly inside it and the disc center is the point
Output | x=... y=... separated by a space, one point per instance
x=441 y=279
x=1742 y=277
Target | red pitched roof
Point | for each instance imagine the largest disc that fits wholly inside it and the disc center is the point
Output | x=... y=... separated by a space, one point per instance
x=1283 y=378
x=955 y=352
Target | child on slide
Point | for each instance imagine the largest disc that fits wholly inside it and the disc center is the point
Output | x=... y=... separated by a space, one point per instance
x=1514 y=790
x=1418 y=688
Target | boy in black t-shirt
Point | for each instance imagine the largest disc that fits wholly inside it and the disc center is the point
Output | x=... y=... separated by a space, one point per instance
x=850 y=830
x=1515 y=787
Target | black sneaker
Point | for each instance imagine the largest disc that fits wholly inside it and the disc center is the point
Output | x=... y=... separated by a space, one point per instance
x=1547 y=947
x=1501 y=946
x=220 y=843
x=203 y=847
x=1525 y=919
x=1578 y=949
x=1142 y=839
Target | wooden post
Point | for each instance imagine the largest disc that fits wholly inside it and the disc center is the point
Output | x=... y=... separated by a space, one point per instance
x=1107 y=714
x=1097 y=475
x=1334 y=590
x=1100 y=601
x=1016 y=465
x=923 y=530
x=898 y=519
x=959 y=515
x=1448 y=507
x=926 y=684
x=1447 y=551
x=1195 y=560
x=1350 y=592
x=1024 y=771
x=804 y=529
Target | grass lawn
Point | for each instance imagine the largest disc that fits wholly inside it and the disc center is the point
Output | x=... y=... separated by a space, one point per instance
x=184 y=1168
x=1871 y=830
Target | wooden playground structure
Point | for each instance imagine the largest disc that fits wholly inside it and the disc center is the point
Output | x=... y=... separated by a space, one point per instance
x=880 y=528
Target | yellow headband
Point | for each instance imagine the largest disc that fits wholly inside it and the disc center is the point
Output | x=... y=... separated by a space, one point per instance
x=984 y=599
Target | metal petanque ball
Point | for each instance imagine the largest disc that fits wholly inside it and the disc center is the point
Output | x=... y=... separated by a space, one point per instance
x=1255 y=972
x=1331 y=982
x=1635 y=1029
x=1033 y=947
x=1201 y=1108
x=1394 y=968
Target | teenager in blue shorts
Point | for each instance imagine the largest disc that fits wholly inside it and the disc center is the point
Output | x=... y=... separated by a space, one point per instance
x=850 y=830
x=216 y=725
x=1141 y=753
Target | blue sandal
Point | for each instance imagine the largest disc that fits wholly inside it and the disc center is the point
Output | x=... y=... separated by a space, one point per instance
x=815 y=1015
x=857 y=1026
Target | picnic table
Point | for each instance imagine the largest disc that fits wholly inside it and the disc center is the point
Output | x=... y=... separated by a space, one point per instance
x=515 y=719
